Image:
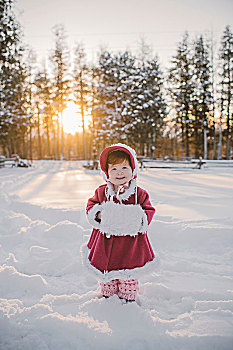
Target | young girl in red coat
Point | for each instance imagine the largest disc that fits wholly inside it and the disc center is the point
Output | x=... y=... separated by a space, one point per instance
x=120 y=213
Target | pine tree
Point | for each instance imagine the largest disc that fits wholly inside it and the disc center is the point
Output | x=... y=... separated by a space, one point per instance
x=181 y=90
x=125 y=73
x=93 y=104
x=213 y=90
x=61 y=81
x=81 y=87
x=226 y=60
x=13 y=115
x=202 y=100
x=43 y=100
x=114 y=81
x=31 y=64
x=130 y=102
x=146 y=106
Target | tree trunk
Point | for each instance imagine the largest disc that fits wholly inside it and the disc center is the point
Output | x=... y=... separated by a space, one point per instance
x=58 y=141
x=48 y=138
x=182 y=137
x=228 y=133
x=186 y=137
x=220 y=140
x=214 y=142
x=38 y=135
x=196 y=137
x=83 y=117
x=62 y=138
x=205 y=142
x=30 y=142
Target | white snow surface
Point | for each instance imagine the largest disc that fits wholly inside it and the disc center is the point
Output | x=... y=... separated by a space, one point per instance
x=50 y=301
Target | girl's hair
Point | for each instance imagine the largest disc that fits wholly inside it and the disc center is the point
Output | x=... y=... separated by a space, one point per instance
x=118 y=156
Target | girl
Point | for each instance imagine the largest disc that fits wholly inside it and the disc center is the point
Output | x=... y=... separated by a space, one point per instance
x=120 y=213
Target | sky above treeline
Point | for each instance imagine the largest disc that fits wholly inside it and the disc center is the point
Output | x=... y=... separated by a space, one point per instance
x=121 y=24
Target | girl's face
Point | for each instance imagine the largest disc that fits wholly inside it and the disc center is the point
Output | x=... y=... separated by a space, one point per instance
x=120 y=173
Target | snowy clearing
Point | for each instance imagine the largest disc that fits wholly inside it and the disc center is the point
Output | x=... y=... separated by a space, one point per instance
x=49 y=300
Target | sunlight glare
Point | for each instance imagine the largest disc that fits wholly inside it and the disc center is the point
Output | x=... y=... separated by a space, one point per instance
x=71 y=118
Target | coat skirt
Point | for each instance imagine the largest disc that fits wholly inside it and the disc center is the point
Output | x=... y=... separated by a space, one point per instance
x=115 y=253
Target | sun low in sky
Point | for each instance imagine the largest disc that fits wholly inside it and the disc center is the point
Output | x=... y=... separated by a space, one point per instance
x=72 y=119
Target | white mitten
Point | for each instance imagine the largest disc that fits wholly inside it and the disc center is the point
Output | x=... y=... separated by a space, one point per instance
x=120 y=219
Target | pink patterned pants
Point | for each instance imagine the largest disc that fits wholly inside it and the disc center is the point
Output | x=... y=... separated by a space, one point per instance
x=125 y=289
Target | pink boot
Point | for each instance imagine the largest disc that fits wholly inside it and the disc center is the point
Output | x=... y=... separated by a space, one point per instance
x=110 y=288
x=128 y=289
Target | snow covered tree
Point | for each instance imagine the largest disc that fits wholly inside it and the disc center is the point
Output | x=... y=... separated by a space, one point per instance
x=61 y=81
x=145 y=106
x=44 y=107
x=202 y=99
x=130 y=104
x=226 y=75
x=31 y=64
x=181 y=90
x=13 y=116
x=213 y=90
x=81 y=87
x=114 y=83
x=93 y=103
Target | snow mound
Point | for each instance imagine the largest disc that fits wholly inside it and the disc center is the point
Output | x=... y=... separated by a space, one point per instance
x=14 y=283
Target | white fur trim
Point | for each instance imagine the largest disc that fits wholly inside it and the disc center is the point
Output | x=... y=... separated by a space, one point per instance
x=145 y=225
x=91 y=215
x=121 y=220
x=126 y=274
x=126 y=194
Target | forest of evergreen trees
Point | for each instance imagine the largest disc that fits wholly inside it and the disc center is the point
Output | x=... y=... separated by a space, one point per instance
x=182 y=111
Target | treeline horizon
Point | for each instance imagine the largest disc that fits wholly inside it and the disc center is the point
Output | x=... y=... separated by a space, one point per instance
x=182 y=111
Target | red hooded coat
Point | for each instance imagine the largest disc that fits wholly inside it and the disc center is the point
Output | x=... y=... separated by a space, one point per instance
x=119 y=246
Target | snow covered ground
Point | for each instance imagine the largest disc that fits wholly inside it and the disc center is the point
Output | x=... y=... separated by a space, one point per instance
x=49 y=300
